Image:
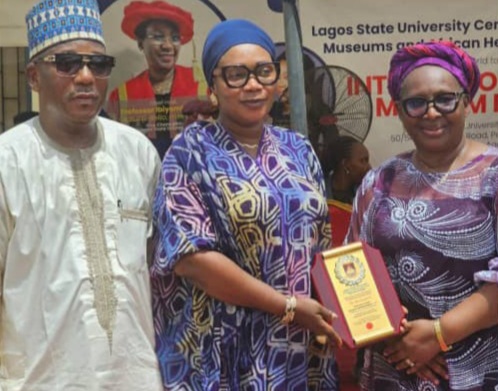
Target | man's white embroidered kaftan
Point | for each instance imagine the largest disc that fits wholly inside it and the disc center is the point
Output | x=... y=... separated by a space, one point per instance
x=75 y=309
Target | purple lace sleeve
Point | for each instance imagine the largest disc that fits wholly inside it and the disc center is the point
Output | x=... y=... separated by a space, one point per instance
x=490 y=275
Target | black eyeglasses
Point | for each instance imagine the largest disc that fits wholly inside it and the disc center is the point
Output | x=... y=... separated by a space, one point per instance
x=69 y=64
x=237 y=76
x=445 y=103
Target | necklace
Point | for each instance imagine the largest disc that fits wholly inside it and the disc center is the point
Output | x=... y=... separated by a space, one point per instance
x=250 y=146
x=164 y=86
x=431 y=170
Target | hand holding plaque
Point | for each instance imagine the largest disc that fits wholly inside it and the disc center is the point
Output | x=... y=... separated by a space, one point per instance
x=353 y=282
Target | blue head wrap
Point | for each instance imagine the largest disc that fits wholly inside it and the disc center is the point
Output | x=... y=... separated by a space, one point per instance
x=228 y=34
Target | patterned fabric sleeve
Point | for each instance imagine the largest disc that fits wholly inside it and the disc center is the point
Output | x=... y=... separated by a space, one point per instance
x=325 y=242
x=182 y=220
x=361 y=204
x=490 y=275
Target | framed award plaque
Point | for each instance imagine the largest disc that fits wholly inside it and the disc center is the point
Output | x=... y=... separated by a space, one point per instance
x=353 y=282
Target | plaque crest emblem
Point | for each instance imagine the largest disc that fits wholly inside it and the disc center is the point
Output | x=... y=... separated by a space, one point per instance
x=349 y=270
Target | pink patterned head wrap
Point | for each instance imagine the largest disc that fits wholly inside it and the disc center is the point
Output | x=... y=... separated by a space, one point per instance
x=443 y=54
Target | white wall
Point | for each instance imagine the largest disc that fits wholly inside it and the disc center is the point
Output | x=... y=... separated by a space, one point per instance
x=12 y=24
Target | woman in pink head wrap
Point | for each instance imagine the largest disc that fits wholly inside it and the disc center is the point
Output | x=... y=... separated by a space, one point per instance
x=432 y=214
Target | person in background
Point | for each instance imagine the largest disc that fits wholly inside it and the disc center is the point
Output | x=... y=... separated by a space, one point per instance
x=432 y=214
x=75 y=213
x=280 y=112
x=345 y=162
x=152 y=101
x=240 y=213
x=198 y=110
x=23 y=116
x=321 y=121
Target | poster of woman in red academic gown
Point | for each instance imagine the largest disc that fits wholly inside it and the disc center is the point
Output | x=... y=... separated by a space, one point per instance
x=151 y=98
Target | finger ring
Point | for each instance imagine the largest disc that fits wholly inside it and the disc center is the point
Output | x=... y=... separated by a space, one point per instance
x=410 y=363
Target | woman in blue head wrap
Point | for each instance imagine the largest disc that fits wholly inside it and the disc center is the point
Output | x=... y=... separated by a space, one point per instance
x=240 y=212
x=432 y=214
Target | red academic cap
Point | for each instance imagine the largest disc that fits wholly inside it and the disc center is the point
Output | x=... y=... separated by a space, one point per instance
x=138 y=12
x=198 y=106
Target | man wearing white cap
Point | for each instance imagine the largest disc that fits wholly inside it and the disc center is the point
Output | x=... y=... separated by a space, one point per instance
x=75 y=196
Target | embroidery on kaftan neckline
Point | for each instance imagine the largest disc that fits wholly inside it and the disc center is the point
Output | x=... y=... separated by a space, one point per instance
x=91 y=210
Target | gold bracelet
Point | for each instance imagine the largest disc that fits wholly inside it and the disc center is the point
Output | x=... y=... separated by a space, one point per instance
x=290 y=310
x=439 y=336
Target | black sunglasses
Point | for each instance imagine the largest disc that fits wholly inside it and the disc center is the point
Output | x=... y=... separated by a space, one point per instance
x=445 y=103
x=69 y=64
x=237 y=76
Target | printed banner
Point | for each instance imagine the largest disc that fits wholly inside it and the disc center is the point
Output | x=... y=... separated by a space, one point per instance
x=362 y=36
x=347 y=48
x=150 y=39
